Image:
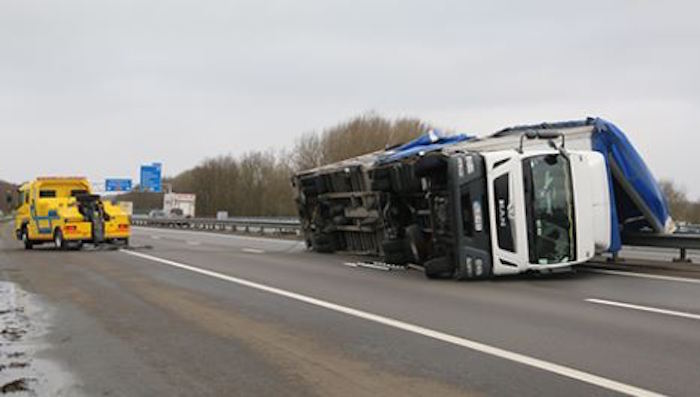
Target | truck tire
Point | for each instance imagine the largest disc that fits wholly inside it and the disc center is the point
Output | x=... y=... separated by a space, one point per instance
x=438 y=268
x=396 y=252
x=323 y=243
x=59 y=241
x=25 y=239
x=382 y=185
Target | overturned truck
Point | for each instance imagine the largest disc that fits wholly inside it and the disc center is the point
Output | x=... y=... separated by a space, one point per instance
x=528 y=198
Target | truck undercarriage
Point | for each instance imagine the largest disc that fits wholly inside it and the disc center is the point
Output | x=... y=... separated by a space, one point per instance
x=403 y=211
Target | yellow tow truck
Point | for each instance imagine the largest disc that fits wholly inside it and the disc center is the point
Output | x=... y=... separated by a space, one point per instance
x=64 y=211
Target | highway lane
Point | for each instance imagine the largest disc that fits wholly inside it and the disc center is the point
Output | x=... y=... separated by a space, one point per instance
x=175 y=329
x=546 y=317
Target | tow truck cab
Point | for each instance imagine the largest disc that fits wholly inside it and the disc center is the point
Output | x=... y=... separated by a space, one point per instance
x=63 y=210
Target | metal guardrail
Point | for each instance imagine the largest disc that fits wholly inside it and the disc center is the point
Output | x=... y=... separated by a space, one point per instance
x=231 y=225
x=682 y=242
x=264 y=225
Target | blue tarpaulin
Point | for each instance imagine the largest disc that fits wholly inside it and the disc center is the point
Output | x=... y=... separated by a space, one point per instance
x=636 y=199
x=431 y=141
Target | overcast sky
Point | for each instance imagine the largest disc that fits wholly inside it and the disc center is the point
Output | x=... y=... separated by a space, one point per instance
x=99 y=87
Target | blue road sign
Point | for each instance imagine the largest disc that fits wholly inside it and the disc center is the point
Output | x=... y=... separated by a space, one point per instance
x=117 y=185
x=151 y=177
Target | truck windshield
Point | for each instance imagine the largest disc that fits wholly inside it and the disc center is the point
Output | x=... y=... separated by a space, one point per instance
x=549 y=209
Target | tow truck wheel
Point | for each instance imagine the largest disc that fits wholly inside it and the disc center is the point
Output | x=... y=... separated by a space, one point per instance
x=25 y=239
x=58 y=240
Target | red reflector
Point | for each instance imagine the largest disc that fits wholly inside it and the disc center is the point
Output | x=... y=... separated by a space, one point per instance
x=123 y=226
x=71 y=228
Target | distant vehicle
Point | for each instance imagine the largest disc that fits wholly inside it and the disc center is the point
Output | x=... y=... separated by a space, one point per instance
x=176 y=213
x=156 y=214
x=179 y=204
x=63 y=210
x=126 y=206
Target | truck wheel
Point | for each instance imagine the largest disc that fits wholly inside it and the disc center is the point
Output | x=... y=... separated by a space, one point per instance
x=396 y=252
x=323 y=243
x=58 y=240
x=25 y=239
x=438 y=268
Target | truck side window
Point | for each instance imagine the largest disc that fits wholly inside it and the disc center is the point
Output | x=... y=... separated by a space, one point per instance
x=47 y=193
x=78 y=192
x=504 y=229
x=26 y=197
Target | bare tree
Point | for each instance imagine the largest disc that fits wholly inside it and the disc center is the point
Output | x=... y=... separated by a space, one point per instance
x=677 y=199
x=258 y=183
x=308 y=152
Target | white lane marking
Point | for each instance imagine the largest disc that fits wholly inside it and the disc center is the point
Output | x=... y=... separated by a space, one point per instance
x=416 y=329
x=221 y=235
x=644 y=308
x=190 y=242
x=375 y=266
x=644 y=275
x=253 y=251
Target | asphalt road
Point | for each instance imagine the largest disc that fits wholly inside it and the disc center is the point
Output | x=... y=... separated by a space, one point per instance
x=204 y=314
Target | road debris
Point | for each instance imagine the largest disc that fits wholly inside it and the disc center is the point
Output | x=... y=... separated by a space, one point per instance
x=376 y=265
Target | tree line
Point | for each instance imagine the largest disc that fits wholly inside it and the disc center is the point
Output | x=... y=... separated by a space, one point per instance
x=6 y=188
x=258 y=183
x=682 y=208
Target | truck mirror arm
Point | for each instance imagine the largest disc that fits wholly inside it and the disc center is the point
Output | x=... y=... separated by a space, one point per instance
x=548 y=135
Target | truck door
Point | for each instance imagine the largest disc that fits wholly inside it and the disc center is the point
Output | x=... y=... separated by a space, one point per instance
x=42 y=213
x=23 y=216
x=507 y=212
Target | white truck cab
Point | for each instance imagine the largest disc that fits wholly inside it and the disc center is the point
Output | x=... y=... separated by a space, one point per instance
x=548 y=208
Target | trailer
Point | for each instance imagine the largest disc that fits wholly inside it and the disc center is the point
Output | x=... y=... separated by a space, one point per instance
x=527 y=198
